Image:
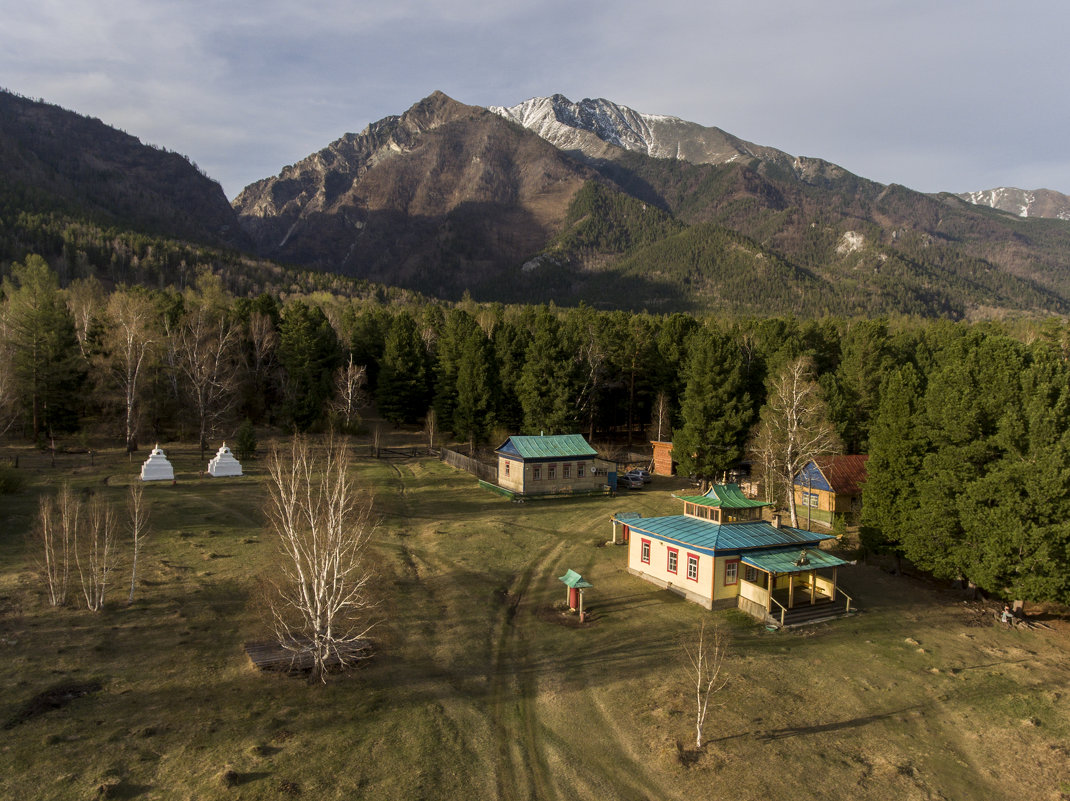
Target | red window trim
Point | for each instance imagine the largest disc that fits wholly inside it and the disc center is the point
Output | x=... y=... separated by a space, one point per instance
x=644 y=544
x=691 y=556
x=728 y=562
x=675 y=552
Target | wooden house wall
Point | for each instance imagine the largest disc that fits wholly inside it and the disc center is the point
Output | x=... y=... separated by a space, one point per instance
x=521 y=478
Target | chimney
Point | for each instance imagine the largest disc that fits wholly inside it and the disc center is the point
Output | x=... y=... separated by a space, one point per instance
x=776 y=521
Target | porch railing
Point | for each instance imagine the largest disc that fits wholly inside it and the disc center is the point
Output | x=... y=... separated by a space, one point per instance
x=783 y=609
x=847 y=597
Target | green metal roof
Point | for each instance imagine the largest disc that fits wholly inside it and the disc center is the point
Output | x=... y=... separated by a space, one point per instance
x=786 y=560
x=726 y=496
x=712 y=537
x=557 y=446
x=574 y=580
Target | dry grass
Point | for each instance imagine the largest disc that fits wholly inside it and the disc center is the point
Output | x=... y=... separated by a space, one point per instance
x=473 y=694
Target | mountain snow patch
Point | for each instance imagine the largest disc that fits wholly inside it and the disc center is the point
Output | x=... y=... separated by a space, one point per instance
x=850 y=242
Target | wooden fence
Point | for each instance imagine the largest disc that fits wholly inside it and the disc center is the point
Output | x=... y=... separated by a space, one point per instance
x=487 y=472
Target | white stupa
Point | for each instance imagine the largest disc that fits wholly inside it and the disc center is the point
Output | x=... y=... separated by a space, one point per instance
x=156 y=467
x=224 y=464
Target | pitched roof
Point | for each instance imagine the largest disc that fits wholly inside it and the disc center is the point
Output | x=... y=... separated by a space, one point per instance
x=726 y=496
x=845 y=473
x=574 y=580
x=842 y=474
x=709 y=536
x=556 y=446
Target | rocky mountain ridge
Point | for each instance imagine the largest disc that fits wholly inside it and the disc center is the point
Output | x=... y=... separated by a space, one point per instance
x=434 y=196
x=1022 y=202
x=589 y=126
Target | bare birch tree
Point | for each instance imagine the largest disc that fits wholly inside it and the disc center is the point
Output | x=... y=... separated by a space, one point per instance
x=661 y=424
x=705 y=658
x=57 y=526
x=349 y=397
x=793 y=428
x=139 y=529
x=321 y=603
x=131 y=335
x=94 y=552
x=203 y=348
x=85 y=296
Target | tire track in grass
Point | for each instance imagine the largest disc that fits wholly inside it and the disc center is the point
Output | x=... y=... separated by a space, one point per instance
x=522 y=772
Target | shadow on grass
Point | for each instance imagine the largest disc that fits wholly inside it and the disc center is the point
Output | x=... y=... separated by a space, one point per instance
x=821 y=728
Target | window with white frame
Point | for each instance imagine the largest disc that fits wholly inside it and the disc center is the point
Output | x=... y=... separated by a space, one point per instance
x=672 y=558
x=731 y=571
x=579 y=470
x=566 y=471
x=551 y=472
x=536 y=473
x=644 y=552
x=692 y=567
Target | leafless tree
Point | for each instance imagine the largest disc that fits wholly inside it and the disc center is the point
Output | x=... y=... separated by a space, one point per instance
x=263 y=339
x=58 y=521
x=131 y=335
x=591 y=360
x=349 y=381
x=139 y=529
x=705 y=659
x=204 y=347
x=94 y=552
x=85 y=296
x=430 y=428
x=661 y=425
x=321 y=602
x=793 y=427
x=377 y=439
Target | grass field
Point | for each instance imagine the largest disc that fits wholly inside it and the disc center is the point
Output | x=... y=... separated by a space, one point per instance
x=477 y=690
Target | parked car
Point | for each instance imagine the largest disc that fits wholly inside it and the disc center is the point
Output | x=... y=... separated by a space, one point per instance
x=639 y=473
x=628 y=481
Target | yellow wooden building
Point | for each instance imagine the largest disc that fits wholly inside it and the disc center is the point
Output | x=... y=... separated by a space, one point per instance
x=829 y=487
x=562 y=464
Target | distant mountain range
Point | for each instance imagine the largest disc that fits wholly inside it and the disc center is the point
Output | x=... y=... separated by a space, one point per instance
x=588 y=201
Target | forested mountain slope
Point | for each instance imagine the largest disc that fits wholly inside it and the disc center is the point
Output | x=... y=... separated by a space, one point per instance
x=51 y=158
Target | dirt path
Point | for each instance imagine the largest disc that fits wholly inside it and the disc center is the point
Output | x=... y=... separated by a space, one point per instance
x=522 y=771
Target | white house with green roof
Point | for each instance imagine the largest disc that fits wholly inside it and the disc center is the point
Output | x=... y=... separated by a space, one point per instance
x=561 y=464
x=721 y=552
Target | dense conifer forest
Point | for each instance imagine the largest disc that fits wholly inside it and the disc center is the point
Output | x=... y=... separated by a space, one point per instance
x=967 y=425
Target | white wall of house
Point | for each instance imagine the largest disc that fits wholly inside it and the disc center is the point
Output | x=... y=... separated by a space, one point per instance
x=658 y=568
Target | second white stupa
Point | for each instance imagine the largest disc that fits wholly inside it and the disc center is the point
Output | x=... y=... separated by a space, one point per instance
x=156 y=467
x=224 y=464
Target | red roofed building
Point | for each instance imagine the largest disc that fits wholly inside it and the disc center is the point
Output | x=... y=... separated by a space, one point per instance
x=830 y=486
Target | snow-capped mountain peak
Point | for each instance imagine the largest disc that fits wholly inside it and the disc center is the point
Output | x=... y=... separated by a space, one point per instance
x=562 y=123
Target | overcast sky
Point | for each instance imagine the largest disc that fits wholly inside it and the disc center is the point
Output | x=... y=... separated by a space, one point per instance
x=934 y=94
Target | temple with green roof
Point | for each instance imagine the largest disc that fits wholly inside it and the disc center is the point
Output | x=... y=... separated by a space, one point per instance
x=721 y=552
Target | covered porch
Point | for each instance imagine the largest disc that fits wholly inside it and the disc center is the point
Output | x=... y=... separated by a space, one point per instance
x=792 y=586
